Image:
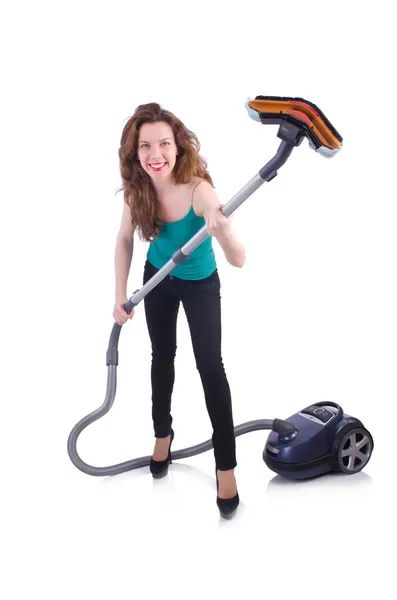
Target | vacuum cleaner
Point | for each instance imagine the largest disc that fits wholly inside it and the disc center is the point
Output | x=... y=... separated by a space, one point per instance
x=318 y=439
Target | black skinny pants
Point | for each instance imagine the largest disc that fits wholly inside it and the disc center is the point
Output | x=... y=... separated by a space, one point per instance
x=202 y=305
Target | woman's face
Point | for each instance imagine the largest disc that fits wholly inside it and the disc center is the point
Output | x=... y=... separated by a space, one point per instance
x=157 y=150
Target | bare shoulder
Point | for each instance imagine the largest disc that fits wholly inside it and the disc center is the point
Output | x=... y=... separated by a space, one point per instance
x=204 y=197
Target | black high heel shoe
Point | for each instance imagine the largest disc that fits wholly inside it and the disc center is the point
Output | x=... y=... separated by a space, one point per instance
x=227 y=506
x=159 y=468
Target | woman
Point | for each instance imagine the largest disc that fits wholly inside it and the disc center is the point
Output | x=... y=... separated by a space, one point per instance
x=168 y=197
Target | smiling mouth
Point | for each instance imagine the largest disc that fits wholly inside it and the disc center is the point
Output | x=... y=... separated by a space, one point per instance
x=158 y=166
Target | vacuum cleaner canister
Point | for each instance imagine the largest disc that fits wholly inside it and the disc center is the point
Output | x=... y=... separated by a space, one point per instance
x=325 y=440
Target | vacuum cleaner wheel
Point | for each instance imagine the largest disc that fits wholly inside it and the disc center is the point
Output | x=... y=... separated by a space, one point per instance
x=354 y=450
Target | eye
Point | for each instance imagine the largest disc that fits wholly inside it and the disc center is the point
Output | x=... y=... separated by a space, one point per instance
x=143 y=145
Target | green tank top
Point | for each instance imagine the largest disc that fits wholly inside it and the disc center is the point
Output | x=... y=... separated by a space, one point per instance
x=200 y=264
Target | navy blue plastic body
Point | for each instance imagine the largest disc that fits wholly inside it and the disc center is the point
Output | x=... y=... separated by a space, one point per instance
x=309 y=453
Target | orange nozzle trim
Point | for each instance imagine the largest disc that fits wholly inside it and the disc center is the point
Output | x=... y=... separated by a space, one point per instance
x=302 y=111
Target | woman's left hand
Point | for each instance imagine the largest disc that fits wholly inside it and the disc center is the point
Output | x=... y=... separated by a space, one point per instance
x=217 y=224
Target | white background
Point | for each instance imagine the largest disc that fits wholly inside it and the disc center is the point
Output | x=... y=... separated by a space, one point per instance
x=310 y=317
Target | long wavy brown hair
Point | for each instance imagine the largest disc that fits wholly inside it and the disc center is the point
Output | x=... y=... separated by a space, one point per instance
x=139 y=191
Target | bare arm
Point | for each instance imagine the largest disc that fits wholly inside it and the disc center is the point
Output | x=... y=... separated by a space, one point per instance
x=232 y=248
x=122 y=263
x=207 y=205
x=123 y=253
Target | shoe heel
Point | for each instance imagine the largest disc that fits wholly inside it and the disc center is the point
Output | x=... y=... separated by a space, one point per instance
x=169 y=449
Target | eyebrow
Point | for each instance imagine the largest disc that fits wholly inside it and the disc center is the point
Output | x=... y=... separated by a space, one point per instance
x=145 y=142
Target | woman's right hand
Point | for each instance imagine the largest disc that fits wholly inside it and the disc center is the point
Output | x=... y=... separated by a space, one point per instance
x=119 y=314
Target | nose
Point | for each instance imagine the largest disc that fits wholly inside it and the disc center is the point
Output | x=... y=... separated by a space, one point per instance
x=157 y=150
x=156 y=157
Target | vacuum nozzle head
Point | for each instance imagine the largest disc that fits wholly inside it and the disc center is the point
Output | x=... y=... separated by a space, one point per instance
x=322 y=136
